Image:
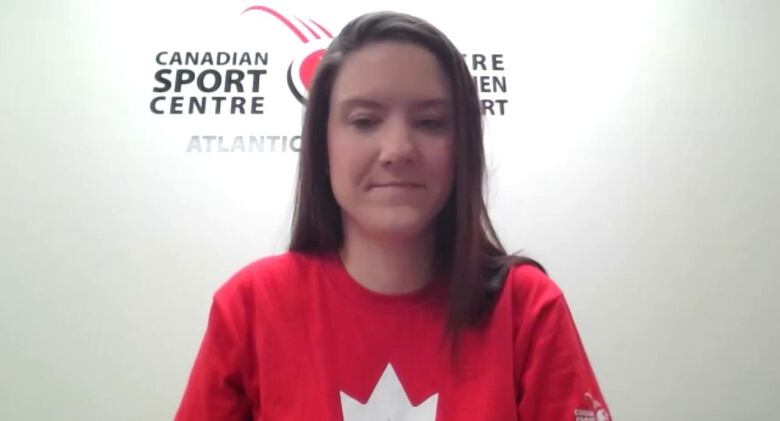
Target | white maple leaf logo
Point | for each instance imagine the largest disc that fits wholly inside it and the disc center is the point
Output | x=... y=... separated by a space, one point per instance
x=388 y=402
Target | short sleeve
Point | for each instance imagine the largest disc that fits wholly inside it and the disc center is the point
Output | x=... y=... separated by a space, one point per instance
x=557 y=382
x=216 y=389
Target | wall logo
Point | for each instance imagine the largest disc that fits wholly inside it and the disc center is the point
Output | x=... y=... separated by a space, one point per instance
x=214 y=83
x=301 y=70
x=209 y=82
x=231 y=82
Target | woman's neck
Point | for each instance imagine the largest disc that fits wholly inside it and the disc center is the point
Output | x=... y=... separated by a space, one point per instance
x=389 y=266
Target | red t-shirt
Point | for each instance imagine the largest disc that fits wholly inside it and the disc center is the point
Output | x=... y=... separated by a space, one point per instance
x=295 y=337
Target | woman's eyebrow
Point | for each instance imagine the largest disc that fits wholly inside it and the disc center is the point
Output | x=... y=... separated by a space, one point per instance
x=432 y=102
x=350 y=103
x=371 y=103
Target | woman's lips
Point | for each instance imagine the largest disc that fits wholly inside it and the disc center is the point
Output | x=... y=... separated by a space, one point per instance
x=402 y=185
x=397 y=184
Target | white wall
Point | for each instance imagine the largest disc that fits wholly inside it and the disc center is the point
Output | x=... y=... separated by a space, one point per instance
x=637 y=161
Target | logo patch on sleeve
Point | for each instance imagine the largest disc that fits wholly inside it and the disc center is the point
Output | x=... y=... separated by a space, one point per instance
x=596 y=412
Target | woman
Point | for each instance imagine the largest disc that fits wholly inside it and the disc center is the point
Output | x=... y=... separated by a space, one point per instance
x=396 y=300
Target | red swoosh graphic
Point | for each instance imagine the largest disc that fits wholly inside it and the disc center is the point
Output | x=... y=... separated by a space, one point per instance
x=325 y=31
x=316 y=35
x=283 y=19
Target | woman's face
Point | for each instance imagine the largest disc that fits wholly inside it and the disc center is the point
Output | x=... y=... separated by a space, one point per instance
x=390 y=140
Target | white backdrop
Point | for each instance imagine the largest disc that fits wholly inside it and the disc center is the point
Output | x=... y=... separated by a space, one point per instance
x=637 y=160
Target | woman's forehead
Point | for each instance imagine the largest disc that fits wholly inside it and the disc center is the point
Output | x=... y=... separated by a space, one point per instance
x=382 y=74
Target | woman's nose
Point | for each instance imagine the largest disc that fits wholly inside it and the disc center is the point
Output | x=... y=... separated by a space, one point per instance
x=397 y=144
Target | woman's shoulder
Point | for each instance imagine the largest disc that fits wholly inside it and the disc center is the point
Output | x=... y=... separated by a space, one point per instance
x=269 y=273
x=530 y=286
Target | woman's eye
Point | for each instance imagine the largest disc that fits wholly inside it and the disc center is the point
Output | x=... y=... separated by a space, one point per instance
x=363 y=123
x=431 y=124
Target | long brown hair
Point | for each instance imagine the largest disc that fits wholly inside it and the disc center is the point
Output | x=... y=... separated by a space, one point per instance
x=468 y=249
